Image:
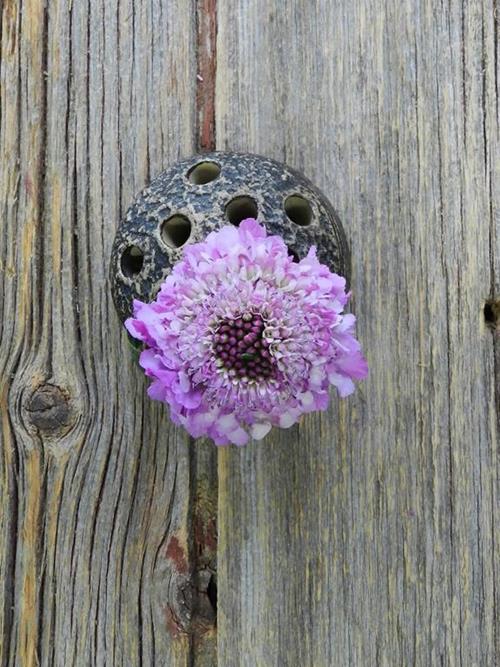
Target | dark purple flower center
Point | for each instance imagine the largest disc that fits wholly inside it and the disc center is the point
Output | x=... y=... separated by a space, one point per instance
x=242 y=350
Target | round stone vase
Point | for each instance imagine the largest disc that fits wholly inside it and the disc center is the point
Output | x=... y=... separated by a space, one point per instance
x=205 y=192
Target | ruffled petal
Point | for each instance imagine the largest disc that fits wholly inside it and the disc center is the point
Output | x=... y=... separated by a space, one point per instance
x=242 y=338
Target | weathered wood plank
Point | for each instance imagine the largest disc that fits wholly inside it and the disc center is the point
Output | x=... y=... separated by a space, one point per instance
x=369 y=535
x=99 y=493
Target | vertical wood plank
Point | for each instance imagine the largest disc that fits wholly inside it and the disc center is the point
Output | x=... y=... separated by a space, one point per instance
x=98 y=492
x=369 y=535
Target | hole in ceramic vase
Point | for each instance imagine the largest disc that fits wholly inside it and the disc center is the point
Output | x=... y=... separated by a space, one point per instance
x=132 y=261
x=204 y=172
x=294 y=254
x=176 y=230
x=240 y=208
x=299 y=210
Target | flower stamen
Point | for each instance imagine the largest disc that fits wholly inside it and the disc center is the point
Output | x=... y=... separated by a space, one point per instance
x=240 y=348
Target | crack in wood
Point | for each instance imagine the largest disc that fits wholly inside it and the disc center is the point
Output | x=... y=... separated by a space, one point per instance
x=206 y=24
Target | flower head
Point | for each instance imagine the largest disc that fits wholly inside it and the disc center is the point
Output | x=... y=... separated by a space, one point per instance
x=242 y=338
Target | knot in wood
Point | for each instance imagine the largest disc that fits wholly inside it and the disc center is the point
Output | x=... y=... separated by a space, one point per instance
x=49 y=410
x=192 y=607
x=193 y=604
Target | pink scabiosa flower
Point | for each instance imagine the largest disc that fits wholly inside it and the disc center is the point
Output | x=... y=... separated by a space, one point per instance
x=241 y=338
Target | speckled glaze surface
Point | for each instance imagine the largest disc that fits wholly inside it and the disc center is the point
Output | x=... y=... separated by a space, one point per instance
x=269 y=184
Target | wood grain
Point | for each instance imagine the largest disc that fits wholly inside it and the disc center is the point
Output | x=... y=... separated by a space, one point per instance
x=106 y=510
x=364 y=536
x=369 y=535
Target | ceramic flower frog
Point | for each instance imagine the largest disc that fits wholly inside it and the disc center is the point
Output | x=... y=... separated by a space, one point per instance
x=244 y=331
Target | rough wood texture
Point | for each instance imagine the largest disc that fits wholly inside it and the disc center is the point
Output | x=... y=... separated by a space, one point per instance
x=365 y=536
x=369 y=535
x=107 y=535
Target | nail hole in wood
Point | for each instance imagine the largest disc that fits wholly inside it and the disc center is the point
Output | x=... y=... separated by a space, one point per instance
x=212 y=593
x=492 y=314
x=204 y=172
x=132 y=261
x=240 y=208
x=176 y=230
x=299 y=210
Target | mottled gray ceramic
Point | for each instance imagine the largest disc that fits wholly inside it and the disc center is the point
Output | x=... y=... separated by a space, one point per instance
x=205 y=192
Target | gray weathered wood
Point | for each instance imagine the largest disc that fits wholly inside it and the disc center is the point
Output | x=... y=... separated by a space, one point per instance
x=98 y=492
x=369 y=535
x=364 y=536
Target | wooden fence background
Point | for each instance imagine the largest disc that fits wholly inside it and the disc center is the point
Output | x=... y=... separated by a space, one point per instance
x=368 y=535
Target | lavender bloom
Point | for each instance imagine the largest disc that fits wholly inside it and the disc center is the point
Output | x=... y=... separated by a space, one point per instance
x=241 y=338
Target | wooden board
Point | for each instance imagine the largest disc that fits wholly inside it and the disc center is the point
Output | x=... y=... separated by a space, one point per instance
x=365 y=536
x=369 y=535
x=106 y=529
